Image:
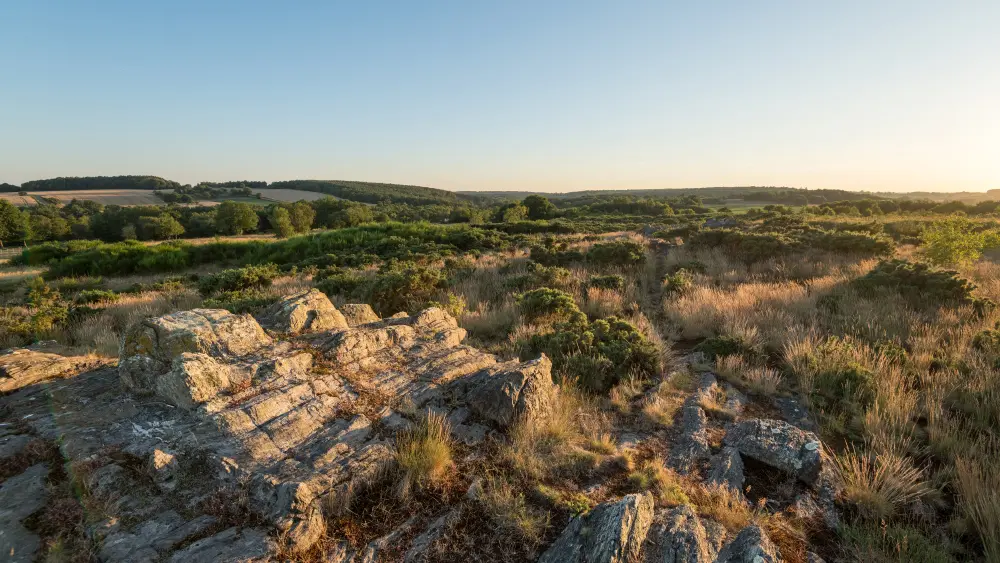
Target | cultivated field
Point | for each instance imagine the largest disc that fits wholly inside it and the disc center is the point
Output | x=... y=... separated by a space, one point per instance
x=18 y=200
x=279 y=194
x=105 y=197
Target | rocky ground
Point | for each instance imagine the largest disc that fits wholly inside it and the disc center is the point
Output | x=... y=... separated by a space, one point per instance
x=221 y=437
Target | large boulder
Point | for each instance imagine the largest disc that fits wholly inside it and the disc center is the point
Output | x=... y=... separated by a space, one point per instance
x=612 y=532
x=751 y=545
x=522 y=390
x=23 y=367
x=150 y=347
x=359 y=314
x=306 y=311
x=685 y=538
x=780 y=445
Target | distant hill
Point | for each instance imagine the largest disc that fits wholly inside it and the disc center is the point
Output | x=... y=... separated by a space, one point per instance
x=372 y=192
x=97 y=183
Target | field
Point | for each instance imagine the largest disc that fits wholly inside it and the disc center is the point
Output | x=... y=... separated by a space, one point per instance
x=291 y=196
x=104 y=197
x=18 y=200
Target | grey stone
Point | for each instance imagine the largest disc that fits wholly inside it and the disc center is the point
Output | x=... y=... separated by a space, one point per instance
x=780 y=445
x=685 y=539
x=13 y=445
x=20 y=496
x=520 y=390
x=359 y=314
x=727 y=470
x=234 y=545
x=420 y=546
x=612 y=532
x=306 y=311
x=751 y=545
x=24 y=367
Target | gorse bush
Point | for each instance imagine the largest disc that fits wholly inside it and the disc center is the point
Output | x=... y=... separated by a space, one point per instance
x=241 y=301
x=956 y=241
x=596 y=354
x=922 y=285
x=238 y=279
x=746 y=247
x=538 y=275
x=555 y=257
x=624 y=253
x=677 y=282
x=405 y=286
x=549 y=305
x=613 y=282
x=89 y=296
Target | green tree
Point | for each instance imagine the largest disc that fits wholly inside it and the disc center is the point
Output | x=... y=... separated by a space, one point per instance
x=12 y=223
x=160 y=227
x=510 y=213
x=302 y=216
x=539 y=207
x=281 y=222
x=235 y=218
x=956 y=241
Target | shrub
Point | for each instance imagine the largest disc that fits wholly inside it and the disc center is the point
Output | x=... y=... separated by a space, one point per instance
x=624 y=253
x=405 y=287
x=597 y=355
x=613 y=281
x=338 y=281
x=455 y=305
x=89 y=296
x=720 y=346
x=238 y=279
x=955 y=241
x=677 y=282
x=554 y=257
x=539 y=275
x=922 y=285
x=423 y=454
x=241 y=301
x=747 y=247
x=549 y=305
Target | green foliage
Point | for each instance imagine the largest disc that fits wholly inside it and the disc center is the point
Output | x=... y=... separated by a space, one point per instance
x=89 y=296
x=281 y=222
x=405 y=286
x=538 y=207
x=240 y=301
x=612 y=281
x=340 y=281
x=677 y=282
x=12 y=222
x=597 y=354
x=455 y=305
x=719 y=346
x=624 y=253
x=100 y=183
x=747 y=247
x=537 y=275
x=160 y=227
x=548 y=305
x=235 y=218
x=956 y=241
x=550 y=256
x=238 y=279
x=922 y=285
x=302 y=216
x=510 y=213
x=47 y=308
x=371 y=192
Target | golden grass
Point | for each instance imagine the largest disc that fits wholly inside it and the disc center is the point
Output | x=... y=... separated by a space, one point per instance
x=423 y=454
x=880 y=484
x=653 y=475
x=979 y=486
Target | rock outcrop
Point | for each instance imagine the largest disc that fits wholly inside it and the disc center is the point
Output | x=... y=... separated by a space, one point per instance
x=21 y=496
x=611 y=533
x=307 y=311
x=23 y=367
x=780 y=445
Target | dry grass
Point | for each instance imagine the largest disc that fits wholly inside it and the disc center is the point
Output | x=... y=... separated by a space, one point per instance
x=653 y=475
x=879 y=485
x=662 y=405
x=601 y=303
x=759 y=379
x=980 y=490
x=423 y=454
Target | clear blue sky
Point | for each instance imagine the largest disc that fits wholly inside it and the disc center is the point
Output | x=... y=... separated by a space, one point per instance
x=510 y=95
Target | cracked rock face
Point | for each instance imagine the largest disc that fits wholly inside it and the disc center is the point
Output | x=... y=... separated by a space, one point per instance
x=610 y=533
x=209 y=404
x=780 y=445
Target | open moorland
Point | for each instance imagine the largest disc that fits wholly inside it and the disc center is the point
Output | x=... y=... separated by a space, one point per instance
x=600 y=379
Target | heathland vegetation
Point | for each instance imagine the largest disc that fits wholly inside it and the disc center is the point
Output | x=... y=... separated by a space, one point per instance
x=878 y=315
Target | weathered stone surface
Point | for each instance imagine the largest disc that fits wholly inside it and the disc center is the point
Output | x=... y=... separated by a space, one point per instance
x=152 y=538
x=13 y=445
x=150 y=347
x=20 y=496
x=727 y=470
x=306 y=311
x=780 y=445
x=520 y=390
x=358 y=314
x=420 y=547
x=751 y=545
x=193 y=378
x=683 y=537
x=691 y=447
x=164 y=468
x=612 y=532
x=233 y=545
x=23 y=367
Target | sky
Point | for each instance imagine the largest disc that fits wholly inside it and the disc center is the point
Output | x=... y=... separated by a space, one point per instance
x=506 y=95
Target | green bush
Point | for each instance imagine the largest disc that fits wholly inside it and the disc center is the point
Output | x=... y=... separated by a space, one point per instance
x=597 y=354
x=920 y=284
x=719 y=346
x=89 y=296
x=339 y=281
x=548 y=304
x=613 y=281
x=538 y=275
x=405 y=287
x=238 y=279
x=554 y=257
x=677 y=282
x=956 y=241
x=747 y=247
x=240 y=301
x=624 y=253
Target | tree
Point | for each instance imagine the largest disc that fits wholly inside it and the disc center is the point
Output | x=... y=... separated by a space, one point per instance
x=302 y=216
x=956 y=241
x=160 y=227
x=539 y=207
x=510 y=213
x=281 y=222
x=235 y=218
x=12 y=224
